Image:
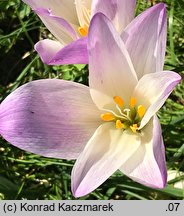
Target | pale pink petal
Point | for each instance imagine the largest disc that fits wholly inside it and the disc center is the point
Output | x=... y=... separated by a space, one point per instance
x=110 y=69
x=53 y=53
x=50 y=117
x=121 y=12
x=83 y=8
x=150 y=169
x=62 y=8
x=153 y=89
x=58 y=26
x=145 y=40
x=47 y=49
x=106 y=151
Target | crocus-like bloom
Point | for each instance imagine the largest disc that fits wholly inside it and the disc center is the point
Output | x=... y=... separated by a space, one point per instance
x=68 y=21
x=111 y=124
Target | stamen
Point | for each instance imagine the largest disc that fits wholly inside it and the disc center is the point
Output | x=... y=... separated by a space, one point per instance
x=133 y=102
x=128 y=118
x=83 y=30
x=107 y=117
x=118 y=101
x=134 y=128
x=119 y=124
x=141 y=111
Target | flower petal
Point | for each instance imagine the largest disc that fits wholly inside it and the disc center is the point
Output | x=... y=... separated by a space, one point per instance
x=150 y=169
x=58 y=26
x=110 y=69
x=83 y=9
x=105 y=152
x=119 y=12
x=153 y=89
x=53 y=53
x=50 y=117
x=145 y=40
x=47 y=49
x=61 y=8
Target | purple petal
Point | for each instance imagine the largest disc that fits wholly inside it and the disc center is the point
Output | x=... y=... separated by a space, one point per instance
x=110 y=69
x=145 y=40
x=119 y=12
x=50 y=117
x=52 y=52
x=62 y=8
x=106 y=151
x=47 y=49
x=58 y=26
x=151 y=168
x=153 y=89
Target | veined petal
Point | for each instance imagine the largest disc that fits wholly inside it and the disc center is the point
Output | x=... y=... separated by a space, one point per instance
x=119 y=12
x=105 y=152
x=47 y=49
x=110 y=69
x=50 y=117
x=150 y=169
x=62 y=8
x=83 y=9
x=53 y=53
x=58 y=26
x=145 y=40
x=153 y=89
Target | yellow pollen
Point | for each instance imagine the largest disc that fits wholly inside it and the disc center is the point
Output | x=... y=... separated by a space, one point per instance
x=83 y=30
x=133 y=102
x=119 y=124
x=118 y=101
x=141 y=111
x=134 y=128
x=107 y=117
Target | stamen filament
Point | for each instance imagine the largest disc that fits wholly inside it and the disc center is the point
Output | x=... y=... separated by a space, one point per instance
x=128 y=118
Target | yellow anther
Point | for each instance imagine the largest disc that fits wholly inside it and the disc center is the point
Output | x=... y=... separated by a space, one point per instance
x=141 y=111
x=118 y=101
x=83 y=30
x=134 y=128
x=133 y=102
x=107 y=117
x=119 y=124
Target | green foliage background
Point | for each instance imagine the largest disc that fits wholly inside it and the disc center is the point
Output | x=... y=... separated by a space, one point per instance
x=27 y=176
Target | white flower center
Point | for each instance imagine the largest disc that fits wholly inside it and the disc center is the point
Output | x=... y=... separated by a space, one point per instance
x=127 y=117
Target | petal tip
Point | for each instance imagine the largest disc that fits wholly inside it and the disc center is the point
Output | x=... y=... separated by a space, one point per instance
x=98 y=16
x=161 y=183
x=77 y=192
x=161 y=5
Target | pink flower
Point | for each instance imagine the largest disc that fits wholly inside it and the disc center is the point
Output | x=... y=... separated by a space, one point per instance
x=69 y=20
x=111 y=124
